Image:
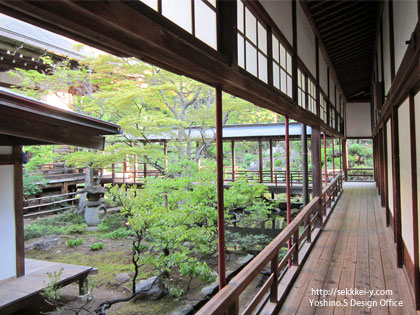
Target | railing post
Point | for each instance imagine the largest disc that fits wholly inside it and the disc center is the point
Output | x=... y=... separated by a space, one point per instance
x=233 y=309
x=275 y=284
x=295 y=258
x=308 y=225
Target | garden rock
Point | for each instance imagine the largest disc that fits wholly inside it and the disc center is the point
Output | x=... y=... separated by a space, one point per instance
x=245 y=259
x=150 y=289
x=122 y=277
x=209 y=290
x=183 y=310
x=45 y=243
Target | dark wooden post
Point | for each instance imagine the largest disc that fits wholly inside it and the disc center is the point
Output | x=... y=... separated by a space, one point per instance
x=345 y=162
x=233 y=159
x=340 y=141
x=165 y=152
x=260 y=161
x=316 y=165
x=396 y=186
x=325 y=160
x=271 y=161
x=305 y=181
x=113 y=174
x=220 y=188
x=19 y=226
x=332 y=153
x=289 y=214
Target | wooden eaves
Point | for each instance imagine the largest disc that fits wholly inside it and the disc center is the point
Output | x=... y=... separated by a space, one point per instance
x=25 y=121
x=131 y=28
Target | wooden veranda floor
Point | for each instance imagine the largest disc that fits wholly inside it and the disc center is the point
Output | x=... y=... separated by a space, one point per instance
x=16 y=294
x=355 y=251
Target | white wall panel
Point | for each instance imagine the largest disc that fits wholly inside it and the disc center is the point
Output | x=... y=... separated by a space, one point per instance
x=405 y=20
x=386 y=47
x=306 y=40
x=417 y=119
x=178 y=12
x=389 y=166
x=281 y=13
x=7 y=219
x=405 y=176
x=358 y=122
x=379 y=55
x=332 y=84
x=323 y=74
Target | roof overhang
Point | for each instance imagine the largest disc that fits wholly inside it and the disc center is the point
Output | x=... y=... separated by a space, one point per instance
x=25 y=121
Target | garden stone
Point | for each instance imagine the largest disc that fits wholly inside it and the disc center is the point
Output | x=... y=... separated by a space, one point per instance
x=245 y=259
x=183 y=310
x=150 y=289
x=92 y=229
x=45 y=243
x=122 y=277
x=209 y=290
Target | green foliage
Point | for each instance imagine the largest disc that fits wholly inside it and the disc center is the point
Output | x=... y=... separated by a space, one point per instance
x=121 y=233
x=33 y=183
x=51 y=291
x=67 y=223
x=74 y=242
x=247 y=242
x=112 y=222
x=96 y=246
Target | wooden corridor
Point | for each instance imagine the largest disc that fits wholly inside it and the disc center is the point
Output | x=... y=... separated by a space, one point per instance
x=355 y=251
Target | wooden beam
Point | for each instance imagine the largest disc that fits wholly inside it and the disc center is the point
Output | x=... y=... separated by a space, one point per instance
x=316 y=162
x=305 y=180
x=345 y=161
x=271 y=161
x=391 y=38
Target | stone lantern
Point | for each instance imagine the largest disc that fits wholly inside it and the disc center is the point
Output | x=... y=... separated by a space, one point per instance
x=94 y=196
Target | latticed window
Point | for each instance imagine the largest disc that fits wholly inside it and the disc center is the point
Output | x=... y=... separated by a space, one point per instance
x=311 y=96
x=282 y=67
x=198 y=17
x=252 y=43
x=301 y=89
x=323 y=108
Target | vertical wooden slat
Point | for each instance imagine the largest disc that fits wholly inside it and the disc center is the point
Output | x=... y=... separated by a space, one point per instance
x=289 y=210
x=316 y=165
x=332 y=152
x=345 y=161
x=325 y=161
x=220 y=188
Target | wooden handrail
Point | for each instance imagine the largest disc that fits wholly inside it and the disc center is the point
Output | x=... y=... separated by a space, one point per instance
x=227 y=299
x=231 y=292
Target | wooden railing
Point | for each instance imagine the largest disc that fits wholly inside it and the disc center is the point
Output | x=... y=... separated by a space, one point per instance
x=34 y=206
x=296 y=241
x=276 y=178
x=360 y=174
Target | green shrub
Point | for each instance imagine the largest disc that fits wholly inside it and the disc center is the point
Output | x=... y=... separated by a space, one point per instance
x=75 y=242
x=66 y=223
x=120 y=233
x=112 y=222
x=97 y=246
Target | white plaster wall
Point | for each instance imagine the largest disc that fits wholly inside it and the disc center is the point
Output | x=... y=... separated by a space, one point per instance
x=323 y=74
x=358 y=120
x=405 y=176
x=7 y=219
x=281 y=13
x=387 y=52
x=389 y=165
x=378 y=54
x=306 y=41
x=405 y=20
x=417 y=119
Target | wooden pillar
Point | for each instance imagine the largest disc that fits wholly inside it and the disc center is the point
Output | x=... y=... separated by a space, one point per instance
x=305 y=181
x=340 y=141
x=19 y=226
x=332 y=153
x=260 y=161
x=220 y=188
x=396 y=186
x=344 y=157
x=233 y=159
x=289 y=213
x=316 y=167
x=165 y=152
x=325 y=160
x=271 y=161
